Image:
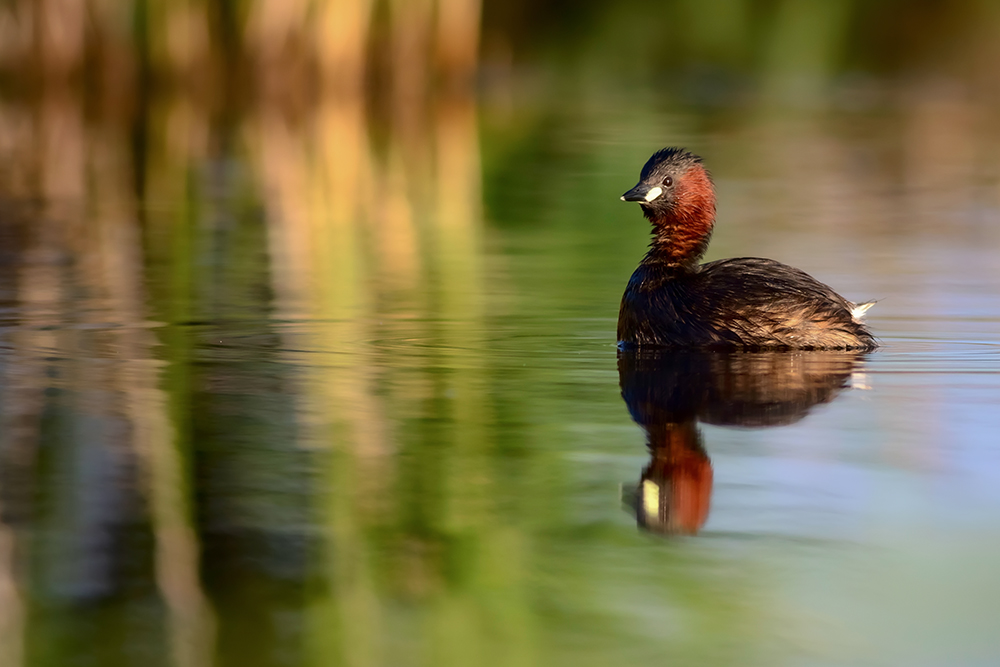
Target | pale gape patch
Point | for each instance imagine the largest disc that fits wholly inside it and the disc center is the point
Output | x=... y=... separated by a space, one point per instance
x=650 y=498
x=654 y=193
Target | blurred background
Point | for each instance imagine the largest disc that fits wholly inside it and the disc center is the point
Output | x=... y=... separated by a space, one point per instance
x=307 y=315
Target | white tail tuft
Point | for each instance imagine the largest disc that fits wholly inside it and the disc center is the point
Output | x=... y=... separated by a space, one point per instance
x=859 y=309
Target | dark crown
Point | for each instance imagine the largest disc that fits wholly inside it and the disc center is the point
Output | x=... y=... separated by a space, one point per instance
x=668 y=157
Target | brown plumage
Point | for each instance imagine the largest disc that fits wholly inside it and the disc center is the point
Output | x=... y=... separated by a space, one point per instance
x=673 y=301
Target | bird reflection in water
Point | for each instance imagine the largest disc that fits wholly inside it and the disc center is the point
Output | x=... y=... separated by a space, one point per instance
x=669 y=392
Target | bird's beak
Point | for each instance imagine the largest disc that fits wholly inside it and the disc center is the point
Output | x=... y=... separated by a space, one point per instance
x=642 y=193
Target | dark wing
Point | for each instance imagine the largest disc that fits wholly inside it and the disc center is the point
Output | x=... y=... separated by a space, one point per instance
x=660 y=309
x=767 y=304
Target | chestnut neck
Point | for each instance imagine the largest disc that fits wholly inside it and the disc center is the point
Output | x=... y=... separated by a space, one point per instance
x=674 y=440
x=681 y=234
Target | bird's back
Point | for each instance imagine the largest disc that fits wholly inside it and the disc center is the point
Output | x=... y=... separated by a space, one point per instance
x=733 y=303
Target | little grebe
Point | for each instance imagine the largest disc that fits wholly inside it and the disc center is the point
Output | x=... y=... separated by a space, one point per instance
x=673 y=301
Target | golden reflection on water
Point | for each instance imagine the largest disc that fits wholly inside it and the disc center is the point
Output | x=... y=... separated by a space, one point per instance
x=357 y=238
x=79 y=316
x=119 y=244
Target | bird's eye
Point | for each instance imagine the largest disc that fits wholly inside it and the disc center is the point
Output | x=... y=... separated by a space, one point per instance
x=667 y=182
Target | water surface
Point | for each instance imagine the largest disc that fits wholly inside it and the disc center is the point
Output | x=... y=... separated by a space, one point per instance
x=276 y=394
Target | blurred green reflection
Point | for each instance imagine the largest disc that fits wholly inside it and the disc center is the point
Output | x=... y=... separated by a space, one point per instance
x=306 y=318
